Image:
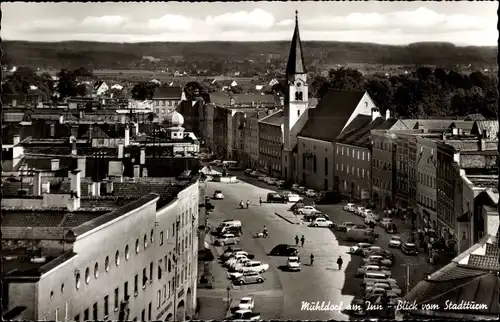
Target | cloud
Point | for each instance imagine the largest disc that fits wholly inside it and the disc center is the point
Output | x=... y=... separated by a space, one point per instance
x=103 y=21
x=256 y=19
x=170 y=23
x=45 y=25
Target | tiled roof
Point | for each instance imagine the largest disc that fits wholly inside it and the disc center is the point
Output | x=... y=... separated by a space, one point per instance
x=256 y=99
x=488 y=126
x=47 y=150
x=32 y=219
x=464 y=125
x=166 y=192
x=277 y=118
x=429 y=124
x=97 y=133
x=453 y=271
x=484 y=262
x=101 y=220
x=357 y=128
x=492 y=250
x=76 y=219
x=168 y=92
x=327 y=120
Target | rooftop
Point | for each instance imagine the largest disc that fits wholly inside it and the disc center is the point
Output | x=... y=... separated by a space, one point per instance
x=276 y=118
x=168 y=92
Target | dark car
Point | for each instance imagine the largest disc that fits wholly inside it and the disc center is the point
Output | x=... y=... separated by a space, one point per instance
x=297 y=205
x=409 y=249
x=284 y=250
x=385 y=253
x=313 y=216
x=273 y=197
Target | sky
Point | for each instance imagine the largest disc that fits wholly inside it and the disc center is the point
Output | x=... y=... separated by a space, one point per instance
x=397 y=22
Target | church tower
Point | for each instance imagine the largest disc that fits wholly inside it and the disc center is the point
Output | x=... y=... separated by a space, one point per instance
x=296 y=99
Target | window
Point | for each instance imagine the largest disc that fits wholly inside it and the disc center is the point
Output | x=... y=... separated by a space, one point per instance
x=96 y=270
x=106 y=264
x=117 y=299
x=161 y=238
x=326 y=166
x=86 y=315
x=152 y=236
x=87 y=275
x=137 y=246
x=117 y=258
x=164 y=293
x=145 y=241
x=125 y=290
x=151 y=272
x=169 y=265
x=77 y=281
x=94 y=312
x=158 y=299
x=298 y=112
x=144 y=278
x=143 y=315
x=77 y=318
x=62 y=288
x=57 y=314
x=150 y=309
x=106 y=306
x=358 y=155
x=314 y=163
x=159 y=270
x=136 y=284
x=127 y=253
x=337 y=166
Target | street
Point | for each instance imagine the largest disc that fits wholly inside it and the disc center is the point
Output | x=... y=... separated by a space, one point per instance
x=282 y=294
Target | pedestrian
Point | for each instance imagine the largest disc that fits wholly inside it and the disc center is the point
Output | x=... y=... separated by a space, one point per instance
x=248 y=203
x=296 y=240
x=260 y=201
x=312 y=259
x=302 y=240
x=340 y=262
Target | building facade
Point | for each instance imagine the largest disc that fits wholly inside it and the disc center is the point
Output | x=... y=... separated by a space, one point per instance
x=315 y=166
x=271 y=144
x=426 y=183
x=353 y=170
x=165 y=100
x=406 y=174
x=251 y=138
x=446 y=177
x=383 y=168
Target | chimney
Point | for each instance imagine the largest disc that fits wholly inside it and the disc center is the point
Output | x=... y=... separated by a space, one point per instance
x=120 y=151
x=73 y=148
x=16 y=139
x=444 y=136
x=375 y=113
x=61 y=119
x=137 y=171
x=54 y=164
x=109 y=187
x=387 y=114
x=37 y=184
x=136 y=126
x=74 y=200
x=143 y=157
x=81 y=165
x=96 y=189
x=127 y=135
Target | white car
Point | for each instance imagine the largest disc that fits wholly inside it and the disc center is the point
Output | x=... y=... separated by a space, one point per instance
x=395 y=241
x=254 y=174
x=292 y=197
x=271 y=181
x=386 y=286
x=246 y=303
x=262 y=178
x=218 y=194
x=359 y=211
x=233 y=259
x=240 y=263
x=293 y=263
x=377 y=258
x=235 y=275
x=369 y=213
x=359 y=248
x=311 y=193
x=350 y=207
x=321 y=222
x=385 y=222
x=295 y=187
x=373 y=269
x=280 y=182
x=369 y=219
x=254 y=266
x=306 y=210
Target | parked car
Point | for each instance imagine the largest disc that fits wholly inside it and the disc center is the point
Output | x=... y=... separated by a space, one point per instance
x=385 y=222
x=395 y=242
x=227 y=239
x=270 y=181
x=235 y=274
x=375 y=293
x=280 y=183
x=371 y=249
x=321 y=222
x=311 y=193
x=284 y=250
x=345 y=226
x=371 y=214
x=237 y=253
x=254 y=174
x=360 y=235
x=218 y=194
x=359 y=211
x=369 y=220
x=391 y=229
x=409 y=249
x=248 y=171
x=245 y=315
x=373 y=268
x=274 y=197
x=301 y=189
x=292 y=197
x=254 y=266
x=359 y=248
x=381 y=252
x=252 y=278
x=293 y=263
x=235 y=267
x=377 y=258
x=246 y=303
x=315 y=215
x=386 y=286
x=262 y=178
x=306 y=210
x=350 y=207
x=295 y=187
x=230 y=252
x=233 y=259
x=358 y=307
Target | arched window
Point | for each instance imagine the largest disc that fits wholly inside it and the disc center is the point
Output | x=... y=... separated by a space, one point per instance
x=300 y=96
x=314 y=163
x=296 y=96
x=326 y=166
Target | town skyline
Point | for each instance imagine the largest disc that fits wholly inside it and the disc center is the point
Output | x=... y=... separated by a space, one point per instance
x=400 y=23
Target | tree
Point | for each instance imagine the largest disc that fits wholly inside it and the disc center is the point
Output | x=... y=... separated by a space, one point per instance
x=67 y=83
x=319 y=87
x=83 y=72
x=236 y=89
x=143 y=91
x=192 y=90
x=81 y=90
x=381 y=91
x=345 y=79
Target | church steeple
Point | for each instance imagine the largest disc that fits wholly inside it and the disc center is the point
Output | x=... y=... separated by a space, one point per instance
x=295 y=59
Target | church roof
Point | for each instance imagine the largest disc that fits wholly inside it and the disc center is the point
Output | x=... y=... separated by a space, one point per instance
x=295 y=59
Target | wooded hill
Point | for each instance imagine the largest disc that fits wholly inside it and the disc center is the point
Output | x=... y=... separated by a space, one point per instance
x=101 y=55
